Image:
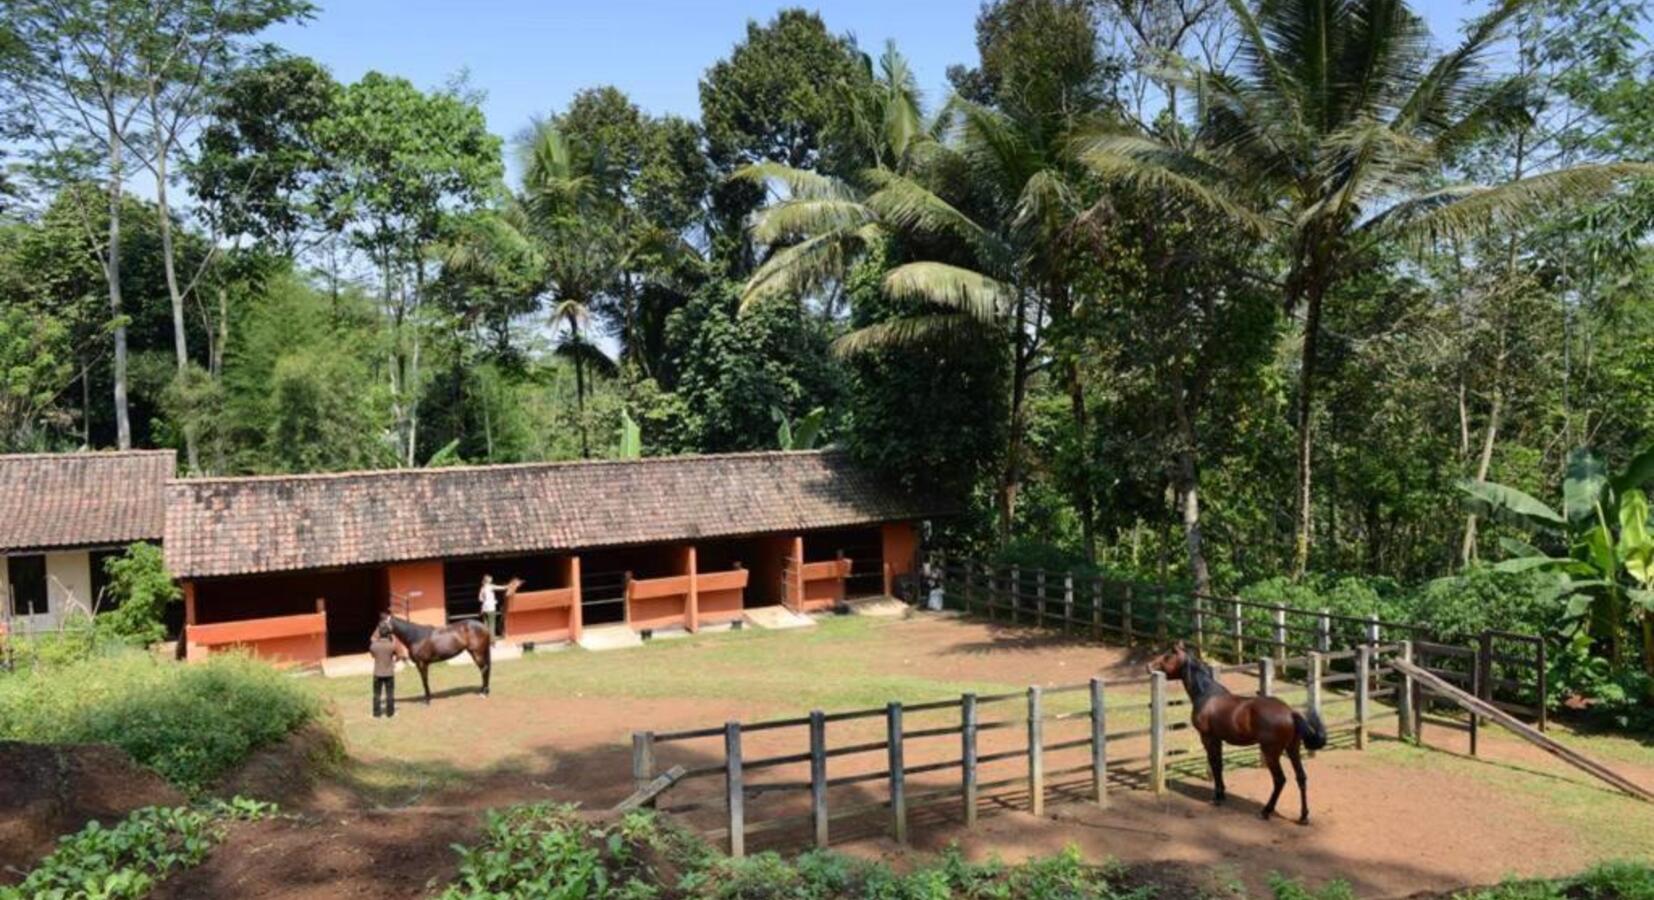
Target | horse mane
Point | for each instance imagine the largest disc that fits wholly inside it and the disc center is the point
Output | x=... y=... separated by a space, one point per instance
x=410 y=632
x=1199 y=680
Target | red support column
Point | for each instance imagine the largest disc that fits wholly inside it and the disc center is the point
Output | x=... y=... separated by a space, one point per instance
x=692 y=605
x=575 y=613
x=796 y=587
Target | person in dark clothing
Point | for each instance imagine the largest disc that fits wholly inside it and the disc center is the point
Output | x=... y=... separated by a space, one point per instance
x=382 y=647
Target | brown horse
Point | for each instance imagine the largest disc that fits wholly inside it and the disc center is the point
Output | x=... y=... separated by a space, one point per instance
x=1222 y=717
x=427 y=644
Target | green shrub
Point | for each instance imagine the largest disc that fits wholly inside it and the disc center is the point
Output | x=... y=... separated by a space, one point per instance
x=551 y=851
x=126 y=860
x=190 y=723
x=140 y=587
x=1464 y=605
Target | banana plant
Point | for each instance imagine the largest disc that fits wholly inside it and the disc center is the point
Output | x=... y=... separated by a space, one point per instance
x=1604 y=547
x=802 y=437
x=631 y=437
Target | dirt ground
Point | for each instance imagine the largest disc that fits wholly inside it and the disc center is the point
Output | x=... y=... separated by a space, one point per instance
x=48 y=791
x=1391 y=820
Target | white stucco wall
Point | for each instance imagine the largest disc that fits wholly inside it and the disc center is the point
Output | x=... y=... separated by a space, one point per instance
x=68 y=583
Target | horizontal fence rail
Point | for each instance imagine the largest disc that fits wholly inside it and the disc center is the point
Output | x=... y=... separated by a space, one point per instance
x=1084 y=739
x=1508 y=668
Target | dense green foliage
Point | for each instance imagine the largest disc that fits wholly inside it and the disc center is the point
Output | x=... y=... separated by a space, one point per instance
x=189 y=723
x=553 y=851
x=140 y=587
x=1208 y=303
x=544 y=851
x=125 y=860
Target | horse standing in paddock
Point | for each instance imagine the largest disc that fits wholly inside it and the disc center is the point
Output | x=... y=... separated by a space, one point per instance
x=1222 y=717
x=427 y=644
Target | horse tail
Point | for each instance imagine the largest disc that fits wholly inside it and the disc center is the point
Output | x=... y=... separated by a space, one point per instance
x=1310 y=729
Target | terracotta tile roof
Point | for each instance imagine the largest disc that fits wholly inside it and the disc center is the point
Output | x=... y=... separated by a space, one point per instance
x=235 y=526
x=52 y=500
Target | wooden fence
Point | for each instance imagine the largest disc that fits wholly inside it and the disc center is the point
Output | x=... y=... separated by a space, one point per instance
x=1508 y=667
x=1110 y=743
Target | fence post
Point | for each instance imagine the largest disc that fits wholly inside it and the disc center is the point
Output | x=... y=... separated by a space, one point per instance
x=1125 y=612
x=1157 y=732
x=1363 y=693
x=1404 y=697
x=1317 y=665
x=818 y=774
x=1280 y=632
x=1099 y=744
x=1239 y=631
x=1323 y=631
x=1266 y=676
x=1036 y=752
x=1372 y=630
x=898 y=783
x=643 y=759
x=967 y=756
x=735 y=791
x=1478 y=659
x=1067 y=601
x=1039 y=603
x=1544 y=683
x=965 y=585
x=1016 y=594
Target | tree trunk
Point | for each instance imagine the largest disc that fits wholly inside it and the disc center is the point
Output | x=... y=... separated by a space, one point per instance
x=1087 y=503
x=112 y=272
x=170 y=268
x=1010 y=480
x=1187 y=487
x=1306 y=409
x=580 y=404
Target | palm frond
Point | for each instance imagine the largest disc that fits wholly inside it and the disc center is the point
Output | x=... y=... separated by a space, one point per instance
x=806 y=267
x=1512 y=204
x=1433 y=100
x=908 y=331
x=577 y=348
x=907 y=205
x=792 y=220
x=1151 y=165
x=801 y=184
x=972 y=293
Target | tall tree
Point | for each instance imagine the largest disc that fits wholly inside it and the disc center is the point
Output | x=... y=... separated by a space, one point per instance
x=1343 y=122
x=400 y=164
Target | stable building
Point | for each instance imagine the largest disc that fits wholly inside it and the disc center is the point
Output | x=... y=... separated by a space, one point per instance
x=298 y=568
x=61 y=516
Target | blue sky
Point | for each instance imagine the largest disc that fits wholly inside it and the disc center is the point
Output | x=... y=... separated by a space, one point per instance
x=530 y=56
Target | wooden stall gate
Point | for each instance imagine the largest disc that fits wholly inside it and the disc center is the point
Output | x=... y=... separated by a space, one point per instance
x=299 y=640
x=1101 y=715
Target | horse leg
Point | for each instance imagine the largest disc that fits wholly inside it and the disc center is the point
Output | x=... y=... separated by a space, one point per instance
x=1214 y=759
x=485 y=661
x=425 y=679
x=1272 y=759
x=1303 y=782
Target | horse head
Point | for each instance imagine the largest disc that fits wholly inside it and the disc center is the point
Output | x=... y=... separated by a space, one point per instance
x=1171 y=662
x=512 y=586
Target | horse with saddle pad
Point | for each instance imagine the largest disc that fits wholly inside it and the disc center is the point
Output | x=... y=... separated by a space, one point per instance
x=1222 y=717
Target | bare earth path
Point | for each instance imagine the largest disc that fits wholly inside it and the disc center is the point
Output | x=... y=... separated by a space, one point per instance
x=1392 y=820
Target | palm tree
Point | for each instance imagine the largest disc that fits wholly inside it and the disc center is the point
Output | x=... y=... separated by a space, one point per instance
x=545 y=240
x=997 y=257
x=1330 y=141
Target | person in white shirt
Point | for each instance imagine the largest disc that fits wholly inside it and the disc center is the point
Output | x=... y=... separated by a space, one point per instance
x=490 y=602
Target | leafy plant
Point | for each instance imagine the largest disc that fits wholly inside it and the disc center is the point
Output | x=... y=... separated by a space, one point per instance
x=1599 y=544
x=631 y=439
x=130 y=857
x=140 y=587
x=189 y=723
x=804 y=436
